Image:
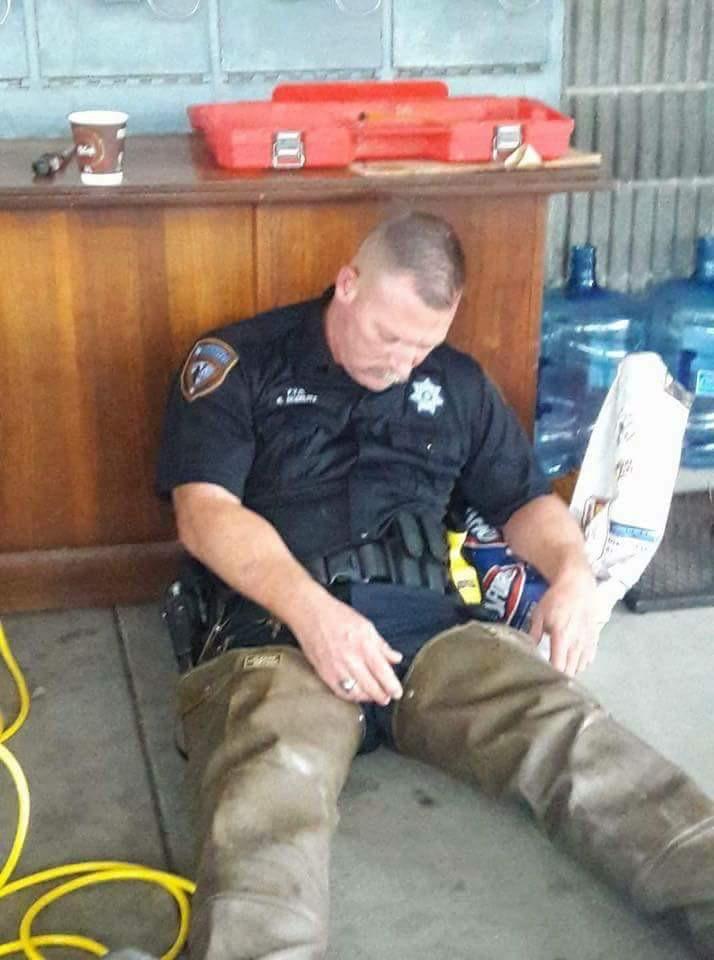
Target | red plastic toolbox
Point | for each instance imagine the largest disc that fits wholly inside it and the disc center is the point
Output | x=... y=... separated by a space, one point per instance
x=332 y=125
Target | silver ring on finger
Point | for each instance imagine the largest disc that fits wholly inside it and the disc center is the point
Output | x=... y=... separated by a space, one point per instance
x=348 y=684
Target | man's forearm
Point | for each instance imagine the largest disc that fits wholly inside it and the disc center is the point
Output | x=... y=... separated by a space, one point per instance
x=247 y=552
x=545 y=534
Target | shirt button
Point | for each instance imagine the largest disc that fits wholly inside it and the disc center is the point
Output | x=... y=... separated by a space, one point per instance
x=429 y=446
x=364 y=535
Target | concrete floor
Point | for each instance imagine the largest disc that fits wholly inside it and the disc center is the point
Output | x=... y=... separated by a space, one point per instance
x=423 y=867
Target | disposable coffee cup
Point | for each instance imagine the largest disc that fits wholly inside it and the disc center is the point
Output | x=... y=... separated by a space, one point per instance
x=99 y=142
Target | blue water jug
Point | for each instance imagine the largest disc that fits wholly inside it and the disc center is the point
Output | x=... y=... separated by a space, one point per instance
x=681 y=329
x=586 y=332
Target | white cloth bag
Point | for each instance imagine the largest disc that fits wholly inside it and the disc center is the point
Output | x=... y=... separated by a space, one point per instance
x=624 y=490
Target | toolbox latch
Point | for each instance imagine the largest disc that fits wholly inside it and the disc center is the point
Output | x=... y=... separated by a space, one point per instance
x=507 y=137
x=288 y=150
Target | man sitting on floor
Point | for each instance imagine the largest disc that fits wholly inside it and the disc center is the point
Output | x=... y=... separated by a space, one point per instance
x=311 y=453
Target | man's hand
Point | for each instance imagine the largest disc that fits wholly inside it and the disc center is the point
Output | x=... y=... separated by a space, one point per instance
x=342 y=645
x=567 y=612
x=545 y=534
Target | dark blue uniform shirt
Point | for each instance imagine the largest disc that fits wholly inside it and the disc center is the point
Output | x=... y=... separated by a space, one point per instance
x=329 y=463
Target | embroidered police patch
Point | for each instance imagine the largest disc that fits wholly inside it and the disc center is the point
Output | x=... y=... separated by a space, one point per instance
x=206 y=367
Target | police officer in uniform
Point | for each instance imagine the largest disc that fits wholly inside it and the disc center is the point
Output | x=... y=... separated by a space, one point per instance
x=311 y=453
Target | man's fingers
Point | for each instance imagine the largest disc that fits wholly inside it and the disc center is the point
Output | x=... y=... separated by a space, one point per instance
x=585 y=659
x=536 y=627
x=368 y=686
x=384 y=675
x=573 y=658
x=378 y=680
x=558 y=649
x=394 y=656
x=588 y=653
x=344 y=681
x=375 y=677
x=353 y=692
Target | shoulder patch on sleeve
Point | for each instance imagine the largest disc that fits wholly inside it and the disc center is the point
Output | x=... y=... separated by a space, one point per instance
x=206 y=367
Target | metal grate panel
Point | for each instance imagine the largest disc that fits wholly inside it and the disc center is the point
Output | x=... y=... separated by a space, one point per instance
x=640 y=84
x=681 y=573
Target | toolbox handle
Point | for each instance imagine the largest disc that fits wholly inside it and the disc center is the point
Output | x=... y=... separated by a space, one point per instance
x=507 y=137
x=288 y=150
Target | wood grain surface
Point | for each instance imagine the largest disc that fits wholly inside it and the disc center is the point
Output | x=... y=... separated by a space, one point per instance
x=99 y=309
x=300 y=247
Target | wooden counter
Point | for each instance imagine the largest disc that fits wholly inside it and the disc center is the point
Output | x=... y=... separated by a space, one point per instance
x=104 y=289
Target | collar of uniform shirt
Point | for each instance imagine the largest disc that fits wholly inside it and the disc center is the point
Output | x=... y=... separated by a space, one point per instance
x=314 y=353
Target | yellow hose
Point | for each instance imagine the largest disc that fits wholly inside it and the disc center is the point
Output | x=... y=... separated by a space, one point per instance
x=85 y=874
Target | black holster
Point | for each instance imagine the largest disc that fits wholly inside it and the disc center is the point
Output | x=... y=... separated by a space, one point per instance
x=189 y=609
x=205 y=617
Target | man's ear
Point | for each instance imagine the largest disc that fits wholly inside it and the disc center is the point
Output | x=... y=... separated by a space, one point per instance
x=457 y=301
x=346 y=284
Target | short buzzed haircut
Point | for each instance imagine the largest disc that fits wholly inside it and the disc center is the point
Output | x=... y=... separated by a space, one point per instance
x=427 y=247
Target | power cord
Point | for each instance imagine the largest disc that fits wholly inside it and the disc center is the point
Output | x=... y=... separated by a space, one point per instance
x=85 y=874
x=6 y=12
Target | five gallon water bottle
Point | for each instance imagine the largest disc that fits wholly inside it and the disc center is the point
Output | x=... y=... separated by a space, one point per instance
x=587 y=330
x=681 y=329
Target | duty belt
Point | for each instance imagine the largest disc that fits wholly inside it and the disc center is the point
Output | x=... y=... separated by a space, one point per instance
x=383 y=561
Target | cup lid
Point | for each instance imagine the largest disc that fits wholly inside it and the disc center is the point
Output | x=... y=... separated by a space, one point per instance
x=98 y=117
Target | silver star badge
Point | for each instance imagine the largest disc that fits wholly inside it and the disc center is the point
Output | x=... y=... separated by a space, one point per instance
x=426 y=395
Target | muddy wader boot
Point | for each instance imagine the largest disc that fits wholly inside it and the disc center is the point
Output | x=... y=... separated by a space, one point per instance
x=480 y=703
x=270 y=747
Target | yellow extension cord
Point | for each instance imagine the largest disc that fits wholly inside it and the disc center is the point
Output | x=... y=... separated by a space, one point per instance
x=86 y=874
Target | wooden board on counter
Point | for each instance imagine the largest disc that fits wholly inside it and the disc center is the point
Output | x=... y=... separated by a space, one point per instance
x=573 y=159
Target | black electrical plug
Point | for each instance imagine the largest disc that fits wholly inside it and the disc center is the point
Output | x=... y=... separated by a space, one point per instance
x=51 y=163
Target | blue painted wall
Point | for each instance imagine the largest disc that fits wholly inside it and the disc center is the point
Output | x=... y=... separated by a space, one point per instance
x=154 y=57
